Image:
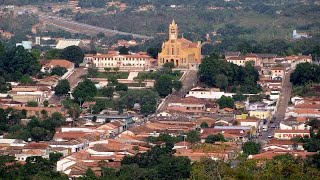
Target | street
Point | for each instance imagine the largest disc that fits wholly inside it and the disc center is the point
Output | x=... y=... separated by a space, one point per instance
x=187 y=84
x=281 y=107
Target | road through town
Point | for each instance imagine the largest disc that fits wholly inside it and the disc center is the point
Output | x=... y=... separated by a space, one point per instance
x=281 y=106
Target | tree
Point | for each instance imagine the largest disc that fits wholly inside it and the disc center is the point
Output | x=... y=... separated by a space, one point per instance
x=168 y=65
x=193 y=136
x=239 y=97
x=52 y=54
x=147 y=109
x=212 y=138
x=100 y=35
x=45 y=103
x=123 y=50
x=305 y=73
x=204 y=125
x=59 y=71
x=153 y=52
x=32 y=104
x=84 y=90
x=25 y=79
x=163 y=85
x=107 y=92
x=121 y=87
x=73 y=54
x=62 y=88
x=108 y=69
x=221 y=81
x=92 y=72
x=116 y=69
x=226 y=102
x=314 y=123
x=251 y=148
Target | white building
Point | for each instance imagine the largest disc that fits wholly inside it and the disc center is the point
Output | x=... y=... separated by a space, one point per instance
x=121 y=61
x=202 y=93
x=69 y=42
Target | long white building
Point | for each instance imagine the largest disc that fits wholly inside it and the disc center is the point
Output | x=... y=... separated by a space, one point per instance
x=116 y=60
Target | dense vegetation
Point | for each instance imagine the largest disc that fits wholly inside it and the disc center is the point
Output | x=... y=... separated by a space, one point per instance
x=34 y=168
x=305 y=73
x=38 y=129
x=16 y=62
x=228 y=76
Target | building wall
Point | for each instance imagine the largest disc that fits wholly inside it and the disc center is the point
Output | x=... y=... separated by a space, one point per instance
x=260 y=114
x=287 y=136
x=120 y=61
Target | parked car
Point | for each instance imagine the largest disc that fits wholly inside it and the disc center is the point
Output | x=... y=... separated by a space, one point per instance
x=270 y=136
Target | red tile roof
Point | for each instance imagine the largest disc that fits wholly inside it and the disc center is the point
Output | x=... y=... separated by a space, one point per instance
x=35 y=145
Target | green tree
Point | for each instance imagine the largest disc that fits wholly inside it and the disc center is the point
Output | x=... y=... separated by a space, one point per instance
x=153 y=52
x=100 y=35
x=59 y=71
x=121 y=87
x=164 y=85
x=32 y=103
x=168 y=65
x=25 y=79
x=107 y=92
x=193 y=136
x=52 y=54
x=46 y=103
x=73 y=54
x=226 y=102
x=204 y=125
x=221 y=81
x=147 y=109
x=212 y=138
x=123 y=50
x=84 y=90
x=251 y=148
x=92 y=72
x=62 y=88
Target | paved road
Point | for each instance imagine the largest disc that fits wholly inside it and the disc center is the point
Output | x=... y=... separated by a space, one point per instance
x=188 y=83
x=282 y=105
x=75 y=77
x=76 y=27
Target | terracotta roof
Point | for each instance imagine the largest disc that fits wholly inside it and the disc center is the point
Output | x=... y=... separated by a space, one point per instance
x=237 y=58
x=126 y=56
x=271 y=154
x=35 y=145
x=59 y=62
x=277 y=68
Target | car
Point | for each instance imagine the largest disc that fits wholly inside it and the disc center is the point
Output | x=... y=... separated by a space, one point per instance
x=270 y=136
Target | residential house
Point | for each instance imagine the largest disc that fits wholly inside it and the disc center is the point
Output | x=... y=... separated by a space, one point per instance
x=203 y=93
x=268 y=155
x=277 y=73
x=49 y=64
x=188 y=105
x=110 y=151
x=34 y=149
x=295 y=60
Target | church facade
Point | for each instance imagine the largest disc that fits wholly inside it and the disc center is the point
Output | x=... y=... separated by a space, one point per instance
x=182 y=52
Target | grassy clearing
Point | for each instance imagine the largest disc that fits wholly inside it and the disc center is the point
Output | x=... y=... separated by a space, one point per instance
x=119 y=75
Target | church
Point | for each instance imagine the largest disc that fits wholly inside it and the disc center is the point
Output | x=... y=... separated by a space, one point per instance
x=182 y=52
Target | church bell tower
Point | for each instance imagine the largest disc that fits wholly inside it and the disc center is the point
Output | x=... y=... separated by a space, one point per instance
x=173 y=31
